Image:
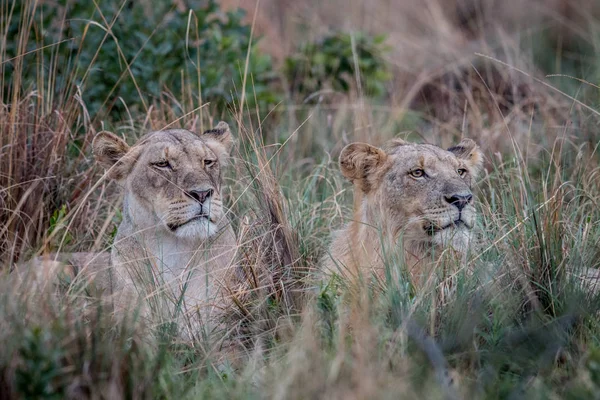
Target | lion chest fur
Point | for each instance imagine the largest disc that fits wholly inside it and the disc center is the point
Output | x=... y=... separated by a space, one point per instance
x=412 y=203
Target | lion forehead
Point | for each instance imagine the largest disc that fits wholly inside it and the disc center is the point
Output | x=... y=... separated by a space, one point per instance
x=175 y=136
x=190 y=153
x=176 y=143
x=425 y=156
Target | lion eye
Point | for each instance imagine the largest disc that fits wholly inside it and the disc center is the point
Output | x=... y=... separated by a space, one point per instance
x=461 y=171
x=208 y=163
x=417 y=173
x=162 y=164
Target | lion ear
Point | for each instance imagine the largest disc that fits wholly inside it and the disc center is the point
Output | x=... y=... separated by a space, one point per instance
x=468 y=151
x=221 y=134
x=360 y=163
x=109 y=151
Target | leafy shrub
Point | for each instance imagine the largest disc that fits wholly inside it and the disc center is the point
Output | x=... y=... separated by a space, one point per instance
x=330 y=64
x=186 y=50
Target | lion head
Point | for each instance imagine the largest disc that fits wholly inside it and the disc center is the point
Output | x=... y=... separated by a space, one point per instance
x=423 y=191
x=172 y=178
x=420 y=191
x=415 y=195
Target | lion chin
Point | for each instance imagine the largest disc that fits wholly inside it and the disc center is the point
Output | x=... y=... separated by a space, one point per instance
x=197 y=229
x=458 y=238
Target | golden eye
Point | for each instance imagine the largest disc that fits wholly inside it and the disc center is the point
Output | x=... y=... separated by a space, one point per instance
x=162 y=164
x=208 y=163
x=461 y=171
x=417 y=173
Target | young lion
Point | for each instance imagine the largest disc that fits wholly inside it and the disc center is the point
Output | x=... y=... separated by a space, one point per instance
x=415 y=195
x=175 y=246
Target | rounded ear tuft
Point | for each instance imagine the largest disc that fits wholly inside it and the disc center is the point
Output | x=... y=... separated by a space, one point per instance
x=222 y=134
x=112 y=153
x=108 y=149
x=468 y=151
x=463 y=148
x=360 y=161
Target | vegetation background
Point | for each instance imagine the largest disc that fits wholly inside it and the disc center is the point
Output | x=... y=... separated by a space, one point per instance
x=298 y=81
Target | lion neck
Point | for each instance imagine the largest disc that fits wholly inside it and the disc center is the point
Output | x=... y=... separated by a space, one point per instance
x=379 y=238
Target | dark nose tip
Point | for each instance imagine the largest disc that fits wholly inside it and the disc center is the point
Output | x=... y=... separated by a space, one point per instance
x=459 y=200
x=200 y=195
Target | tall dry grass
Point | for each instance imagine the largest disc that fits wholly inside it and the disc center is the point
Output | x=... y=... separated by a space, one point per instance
x=522 y=325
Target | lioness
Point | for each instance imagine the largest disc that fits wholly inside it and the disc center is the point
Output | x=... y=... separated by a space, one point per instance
x=175 y=246
x=416 y=195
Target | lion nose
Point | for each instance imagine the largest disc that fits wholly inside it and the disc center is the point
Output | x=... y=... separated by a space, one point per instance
x=200 y=195
x=459 y=200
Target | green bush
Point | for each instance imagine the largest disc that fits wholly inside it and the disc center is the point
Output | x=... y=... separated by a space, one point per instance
x=331 y=64
x=187 y=51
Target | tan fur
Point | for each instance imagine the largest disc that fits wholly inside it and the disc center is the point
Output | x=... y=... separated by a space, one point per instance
x=395 y=210
x=174 y=248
